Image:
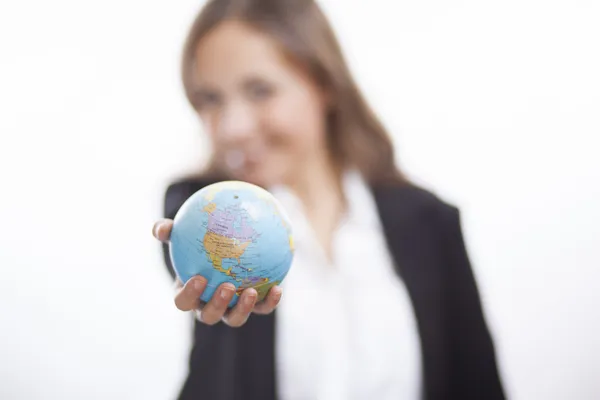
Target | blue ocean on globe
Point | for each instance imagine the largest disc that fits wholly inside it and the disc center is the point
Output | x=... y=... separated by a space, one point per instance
x=235 y=232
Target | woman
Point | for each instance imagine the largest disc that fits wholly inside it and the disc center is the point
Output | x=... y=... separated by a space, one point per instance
x=381 y=302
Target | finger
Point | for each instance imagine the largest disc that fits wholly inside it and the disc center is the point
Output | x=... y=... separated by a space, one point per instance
x=162 y=229
x=270 y=302
x=187 y=298
x=213 y=311
x=240 y=313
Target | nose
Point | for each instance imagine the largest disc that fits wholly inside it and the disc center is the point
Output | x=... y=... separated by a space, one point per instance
x=238 y=123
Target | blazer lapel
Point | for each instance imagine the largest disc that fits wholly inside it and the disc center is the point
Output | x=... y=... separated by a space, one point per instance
x=409 y=228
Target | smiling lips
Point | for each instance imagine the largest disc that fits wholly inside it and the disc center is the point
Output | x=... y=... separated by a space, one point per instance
x=240 y=159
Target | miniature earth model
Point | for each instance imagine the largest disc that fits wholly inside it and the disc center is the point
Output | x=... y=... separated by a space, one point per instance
x=233 y=232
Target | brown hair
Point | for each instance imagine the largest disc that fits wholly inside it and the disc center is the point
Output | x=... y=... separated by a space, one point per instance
x=356 y=137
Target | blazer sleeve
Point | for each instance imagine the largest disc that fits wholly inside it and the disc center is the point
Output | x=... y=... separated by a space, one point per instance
x=471 y=345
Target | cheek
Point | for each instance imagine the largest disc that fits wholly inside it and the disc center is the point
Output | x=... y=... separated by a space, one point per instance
x=295 y=124
x=208 y=122
x=211 y=122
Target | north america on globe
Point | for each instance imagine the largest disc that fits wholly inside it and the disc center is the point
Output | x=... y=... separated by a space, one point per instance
x=233 y=232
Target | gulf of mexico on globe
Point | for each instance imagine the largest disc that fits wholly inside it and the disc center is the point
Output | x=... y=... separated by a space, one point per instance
x=235 y=232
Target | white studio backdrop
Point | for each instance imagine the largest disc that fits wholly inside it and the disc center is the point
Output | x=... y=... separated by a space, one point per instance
x=493 y=105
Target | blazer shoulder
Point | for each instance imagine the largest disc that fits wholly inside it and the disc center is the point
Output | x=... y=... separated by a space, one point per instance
x=412 y=199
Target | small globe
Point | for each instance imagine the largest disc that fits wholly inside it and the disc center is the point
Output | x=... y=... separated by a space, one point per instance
x=233 y=232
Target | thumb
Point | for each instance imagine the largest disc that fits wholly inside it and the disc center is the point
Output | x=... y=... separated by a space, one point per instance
x=162 y=229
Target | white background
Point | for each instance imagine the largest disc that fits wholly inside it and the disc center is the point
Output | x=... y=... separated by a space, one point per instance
x=493 y=105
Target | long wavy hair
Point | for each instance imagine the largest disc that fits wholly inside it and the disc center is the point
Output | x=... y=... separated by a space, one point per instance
x=356 y=138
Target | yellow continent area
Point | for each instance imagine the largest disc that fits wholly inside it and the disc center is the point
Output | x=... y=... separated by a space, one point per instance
x=248 y=284
x=262 y=287
x=220 y=247
x=211 y=192
x=210 y=208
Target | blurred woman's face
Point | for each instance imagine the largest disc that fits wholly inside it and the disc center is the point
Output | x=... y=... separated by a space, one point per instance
x=265 y=116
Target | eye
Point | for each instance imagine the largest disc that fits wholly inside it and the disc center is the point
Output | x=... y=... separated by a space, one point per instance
x=259 y=91
x=205 y=99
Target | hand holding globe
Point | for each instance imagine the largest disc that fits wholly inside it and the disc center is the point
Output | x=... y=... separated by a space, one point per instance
x=231 y=246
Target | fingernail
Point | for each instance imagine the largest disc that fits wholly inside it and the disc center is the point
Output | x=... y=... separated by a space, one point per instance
x=278 y=293
x=197 y=285
x=226 y=292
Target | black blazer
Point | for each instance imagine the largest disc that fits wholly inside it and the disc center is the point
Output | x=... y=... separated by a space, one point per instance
x=425 y=240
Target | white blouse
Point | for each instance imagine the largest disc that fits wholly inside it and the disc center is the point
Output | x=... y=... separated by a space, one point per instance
x=345 y=330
